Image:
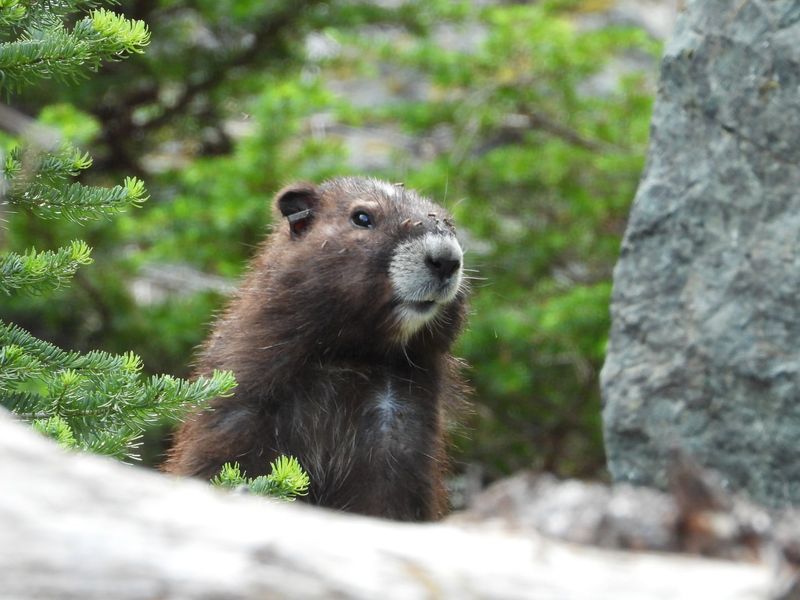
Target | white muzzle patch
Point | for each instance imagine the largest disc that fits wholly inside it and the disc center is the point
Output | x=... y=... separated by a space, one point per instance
x=426 y=273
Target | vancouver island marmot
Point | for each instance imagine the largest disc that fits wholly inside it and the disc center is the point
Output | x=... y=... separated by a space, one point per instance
x=339 y=339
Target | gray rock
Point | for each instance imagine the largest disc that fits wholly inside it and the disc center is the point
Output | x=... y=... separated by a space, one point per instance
x=696 y=517
x=704 y=353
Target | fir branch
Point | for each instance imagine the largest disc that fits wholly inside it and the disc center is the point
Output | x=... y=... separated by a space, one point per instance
x=36 y=272
x=95 y=401
x=16 y=365
x=76 y=201
x=230 y=476
x=57 y=9
x=23 y=404
x=103 y=398
x=45 y=358
x=67 y=161
x=96 y=364
x=54 y=52
x=286 y=479
x=58 y=429
x=12 y=13
x=175 y=396
x=119 y=442
x=36 y=181
x=119 y=36
x=104 y=370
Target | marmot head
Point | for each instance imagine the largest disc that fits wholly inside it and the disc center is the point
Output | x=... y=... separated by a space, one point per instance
x=376 y=266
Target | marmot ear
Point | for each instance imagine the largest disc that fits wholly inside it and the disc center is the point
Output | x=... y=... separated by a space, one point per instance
x=297 y=203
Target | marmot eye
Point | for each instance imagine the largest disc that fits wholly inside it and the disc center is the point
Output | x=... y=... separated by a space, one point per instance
x=361 y=219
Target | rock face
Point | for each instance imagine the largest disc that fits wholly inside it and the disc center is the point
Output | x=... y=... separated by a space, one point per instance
x=705 y=344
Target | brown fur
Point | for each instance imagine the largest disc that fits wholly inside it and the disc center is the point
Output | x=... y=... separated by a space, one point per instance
x=312 y=344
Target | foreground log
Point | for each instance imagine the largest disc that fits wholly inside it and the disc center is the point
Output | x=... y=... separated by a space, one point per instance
x=76 y=526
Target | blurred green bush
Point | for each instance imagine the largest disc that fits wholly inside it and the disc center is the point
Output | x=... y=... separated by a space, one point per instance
x=530 y=128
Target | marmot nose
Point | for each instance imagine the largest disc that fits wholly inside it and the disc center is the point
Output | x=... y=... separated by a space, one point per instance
x=441 y=266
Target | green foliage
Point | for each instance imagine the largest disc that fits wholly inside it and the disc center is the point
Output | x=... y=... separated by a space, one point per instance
x=286 y=481
x=52 y=167
x=76 y=201
x=230 y=476
x=96 y=401
x=46 y=49
x=35 y=181
x=37 y=272
x=102 y=399
x=57 y=428
x=76 y=126
x=12 y=12
x=543 y=145
x=226 y=198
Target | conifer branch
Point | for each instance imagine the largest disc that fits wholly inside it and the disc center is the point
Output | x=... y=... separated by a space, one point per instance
x=58 y=429
x=103 y=398
x=76 y=201
x=286 y=479
x=54 y=52
x=96 y=401
x=97 y=363
x=230 y=476
x=36 y=272
x=38 y=10
x=23 y=404
x=36 y=181
x=66 y=161
x=12 y=13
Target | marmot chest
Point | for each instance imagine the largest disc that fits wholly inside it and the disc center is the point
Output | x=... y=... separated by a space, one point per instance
x=355 y=424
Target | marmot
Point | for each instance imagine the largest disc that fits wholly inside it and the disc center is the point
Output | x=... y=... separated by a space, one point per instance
x=339 y=339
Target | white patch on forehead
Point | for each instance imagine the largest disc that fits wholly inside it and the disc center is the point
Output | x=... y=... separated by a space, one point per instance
x=387 y=188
